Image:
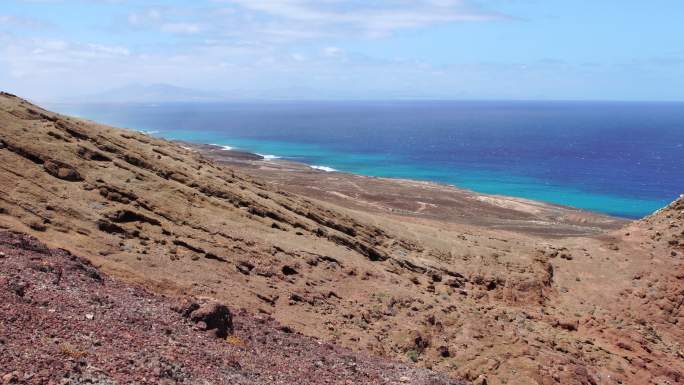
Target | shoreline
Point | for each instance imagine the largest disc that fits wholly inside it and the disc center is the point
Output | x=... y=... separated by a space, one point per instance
x=417 y=200
x=232 y=153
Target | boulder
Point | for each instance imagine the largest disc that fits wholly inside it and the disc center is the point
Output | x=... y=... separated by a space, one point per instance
x=211 y=316
x=217 y=318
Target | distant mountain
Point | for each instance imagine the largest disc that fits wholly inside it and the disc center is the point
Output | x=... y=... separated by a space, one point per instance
x=167 y=93
x=152 y=93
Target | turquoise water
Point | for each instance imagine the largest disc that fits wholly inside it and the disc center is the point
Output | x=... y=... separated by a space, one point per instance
x=621 y=159
x=482 y=181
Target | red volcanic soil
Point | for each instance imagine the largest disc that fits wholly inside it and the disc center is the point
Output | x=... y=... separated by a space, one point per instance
x=62 y=321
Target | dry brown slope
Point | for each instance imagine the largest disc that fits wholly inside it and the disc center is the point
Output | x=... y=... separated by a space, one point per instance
x=471 y=301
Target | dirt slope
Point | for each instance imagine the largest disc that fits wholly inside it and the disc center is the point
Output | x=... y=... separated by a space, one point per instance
x=62 y=321
x=484 y=304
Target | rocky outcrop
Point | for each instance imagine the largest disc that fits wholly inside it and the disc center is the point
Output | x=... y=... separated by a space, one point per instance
x=62 y=170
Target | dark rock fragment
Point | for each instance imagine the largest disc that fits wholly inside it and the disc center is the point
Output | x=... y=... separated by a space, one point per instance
x=61 y=170
x=109 y=227
x=244 y=267
x=127 y=216
x=217 y=318
x=90 y=154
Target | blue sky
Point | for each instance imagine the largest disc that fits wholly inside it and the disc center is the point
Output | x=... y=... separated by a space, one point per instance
x=355 y=49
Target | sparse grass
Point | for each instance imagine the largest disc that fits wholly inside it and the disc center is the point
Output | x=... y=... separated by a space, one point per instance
x=380 y=296
x=235 y=341
x=413 y=355
x=442 y=255
x=71 y=351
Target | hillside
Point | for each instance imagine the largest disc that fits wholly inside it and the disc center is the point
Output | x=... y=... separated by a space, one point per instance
x=94 y=329
x=486 y=304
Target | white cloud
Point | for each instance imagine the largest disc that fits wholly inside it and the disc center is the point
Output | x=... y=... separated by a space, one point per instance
x=150 y=15
x=331 y=51
x=182 y=28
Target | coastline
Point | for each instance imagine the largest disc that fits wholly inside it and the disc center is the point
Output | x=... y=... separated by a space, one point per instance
x=498 y=165
x=414 y=199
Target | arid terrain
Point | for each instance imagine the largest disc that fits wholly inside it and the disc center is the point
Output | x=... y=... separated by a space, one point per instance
x=95 y=330
x=482 y=288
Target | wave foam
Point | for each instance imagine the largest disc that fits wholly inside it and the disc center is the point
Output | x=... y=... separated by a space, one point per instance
x=323 y=168
x=226 y=148
x=268 y=157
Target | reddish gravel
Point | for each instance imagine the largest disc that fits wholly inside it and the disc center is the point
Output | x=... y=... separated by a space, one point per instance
x=64 y=322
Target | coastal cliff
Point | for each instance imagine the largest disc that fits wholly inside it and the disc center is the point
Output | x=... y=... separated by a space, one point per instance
x=489 y=304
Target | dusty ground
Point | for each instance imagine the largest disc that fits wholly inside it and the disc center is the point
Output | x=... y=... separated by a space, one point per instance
x=489 y=289
x=62 y=321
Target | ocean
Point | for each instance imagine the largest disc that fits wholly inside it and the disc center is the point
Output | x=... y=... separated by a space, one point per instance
x=624 y=159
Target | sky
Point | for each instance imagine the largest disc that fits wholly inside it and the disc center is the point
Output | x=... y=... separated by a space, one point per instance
x=353 y=49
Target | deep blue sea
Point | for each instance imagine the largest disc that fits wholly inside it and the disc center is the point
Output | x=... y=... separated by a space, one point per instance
x=625 y=159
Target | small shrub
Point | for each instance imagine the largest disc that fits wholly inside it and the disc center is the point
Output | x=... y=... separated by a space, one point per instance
x=69 y=350
x=412 y=355
x=235 y=341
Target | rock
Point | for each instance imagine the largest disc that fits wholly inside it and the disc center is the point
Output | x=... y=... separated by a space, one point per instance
x=109 y=227
x=90 y=154
x=90 y=316
x=287 y=270
x=404 y=379
x=444 y=351
x=2 y=255
x=10 y=378
x=217 y=318
x=567 y=324
x=37 y=226
x=185 y=306
x=244 y=267
x=128 y=216
x=420 y=343
x=62 y=171
x=211 y=316
x=18 y=287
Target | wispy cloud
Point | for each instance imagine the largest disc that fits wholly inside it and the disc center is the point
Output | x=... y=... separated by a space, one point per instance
x=372 y=18
x=292 y=20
